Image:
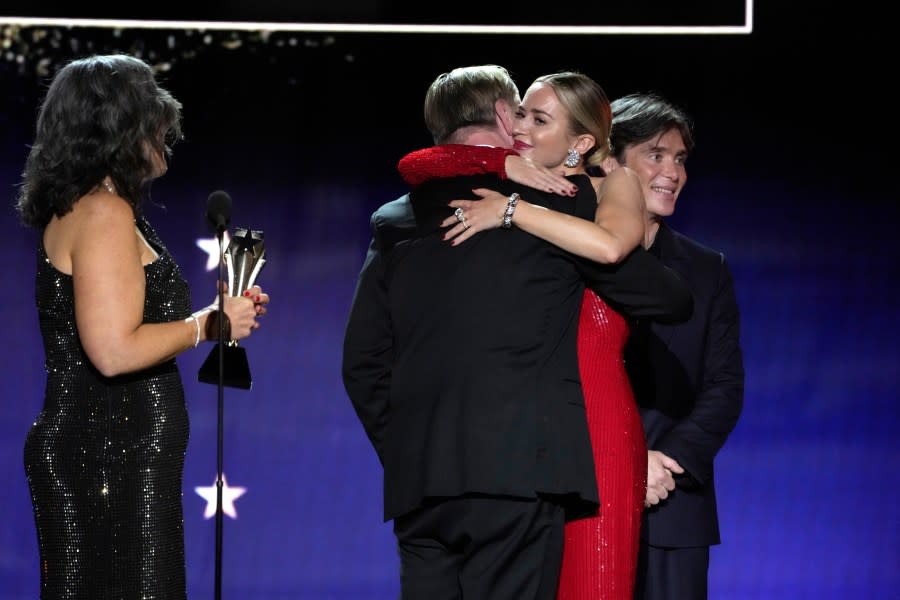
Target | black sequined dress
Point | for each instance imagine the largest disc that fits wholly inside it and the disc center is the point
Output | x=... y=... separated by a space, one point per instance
x=105 y=456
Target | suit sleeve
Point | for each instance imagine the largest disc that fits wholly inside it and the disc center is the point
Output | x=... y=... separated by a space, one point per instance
x=641 y=287
x=367 y=349
x=698 y=437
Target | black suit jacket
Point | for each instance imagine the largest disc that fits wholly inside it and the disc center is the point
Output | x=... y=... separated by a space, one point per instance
x=461 y=361
x=689 y=384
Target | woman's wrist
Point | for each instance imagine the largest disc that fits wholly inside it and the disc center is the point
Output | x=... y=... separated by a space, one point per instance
x=201 y=317
x=211 y=327
x=195 y=321
x=511 y=203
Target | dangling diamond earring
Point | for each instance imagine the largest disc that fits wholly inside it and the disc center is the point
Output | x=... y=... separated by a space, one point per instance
x=572 y=158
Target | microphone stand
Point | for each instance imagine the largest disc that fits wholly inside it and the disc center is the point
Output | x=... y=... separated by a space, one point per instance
x=220 y=426
x=218 y=213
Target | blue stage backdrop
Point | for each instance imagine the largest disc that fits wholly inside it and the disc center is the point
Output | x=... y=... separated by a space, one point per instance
x=806 y=483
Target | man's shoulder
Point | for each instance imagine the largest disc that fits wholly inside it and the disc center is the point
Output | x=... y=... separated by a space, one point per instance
x=429 y=200
x=697 y=250
x=397 y=212
x=456 y=182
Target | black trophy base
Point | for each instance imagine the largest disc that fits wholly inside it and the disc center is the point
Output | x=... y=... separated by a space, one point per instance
x=237 y=369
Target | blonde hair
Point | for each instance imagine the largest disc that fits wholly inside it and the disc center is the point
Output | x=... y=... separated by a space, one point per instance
x=589 y=110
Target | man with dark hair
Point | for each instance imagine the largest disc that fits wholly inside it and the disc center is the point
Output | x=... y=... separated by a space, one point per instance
x=688 y=378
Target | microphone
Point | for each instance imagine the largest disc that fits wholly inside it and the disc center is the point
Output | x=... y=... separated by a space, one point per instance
x=218 y=211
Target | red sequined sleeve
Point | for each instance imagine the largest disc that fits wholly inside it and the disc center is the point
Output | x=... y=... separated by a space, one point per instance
x=449 y=160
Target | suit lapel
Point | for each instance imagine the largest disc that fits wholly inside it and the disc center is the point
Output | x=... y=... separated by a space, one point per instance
x=673 y=255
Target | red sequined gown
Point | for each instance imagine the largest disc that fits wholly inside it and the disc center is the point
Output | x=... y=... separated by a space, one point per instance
x=600 y=552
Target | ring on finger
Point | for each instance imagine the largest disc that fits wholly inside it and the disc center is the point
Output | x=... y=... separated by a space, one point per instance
x=460 y=215
x=465 y=223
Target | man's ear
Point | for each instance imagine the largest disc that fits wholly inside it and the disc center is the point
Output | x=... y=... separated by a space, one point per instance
x=504 y=114
x=609 y=165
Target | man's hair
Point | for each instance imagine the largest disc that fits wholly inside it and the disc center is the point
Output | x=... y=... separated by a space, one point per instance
x=466 y=97
x=640 y=117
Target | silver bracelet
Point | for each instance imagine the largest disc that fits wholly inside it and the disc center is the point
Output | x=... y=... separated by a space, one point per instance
x=194 y=318
x=510 y=209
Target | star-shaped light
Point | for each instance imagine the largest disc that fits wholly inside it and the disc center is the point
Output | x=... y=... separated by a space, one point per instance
x=211 y=247
x=229 y=495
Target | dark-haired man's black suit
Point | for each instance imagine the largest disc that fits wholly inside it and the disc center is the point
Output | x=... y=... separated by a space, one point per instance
x=689 y=384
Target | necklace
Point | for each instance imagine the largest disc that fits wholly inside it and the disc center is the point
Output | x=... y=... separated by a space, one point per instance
x=108 y=187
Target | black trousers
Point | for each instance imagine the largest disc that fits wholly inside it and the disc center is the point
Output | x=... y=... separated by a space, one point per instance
x=672 y=573
x=481 y=548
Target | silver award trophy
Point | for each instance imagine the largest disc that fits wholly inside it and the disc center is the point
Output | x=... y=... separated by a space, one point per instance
x=244 y=259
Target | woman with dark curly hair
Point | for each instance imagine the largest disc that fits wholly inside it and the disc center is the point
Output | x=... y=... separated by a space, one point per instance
x=104 y=458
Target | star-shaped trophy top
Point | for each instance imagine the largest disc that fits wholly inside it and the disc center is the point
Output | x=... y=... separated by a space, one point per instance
x=244 y=259
x=247 y=240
